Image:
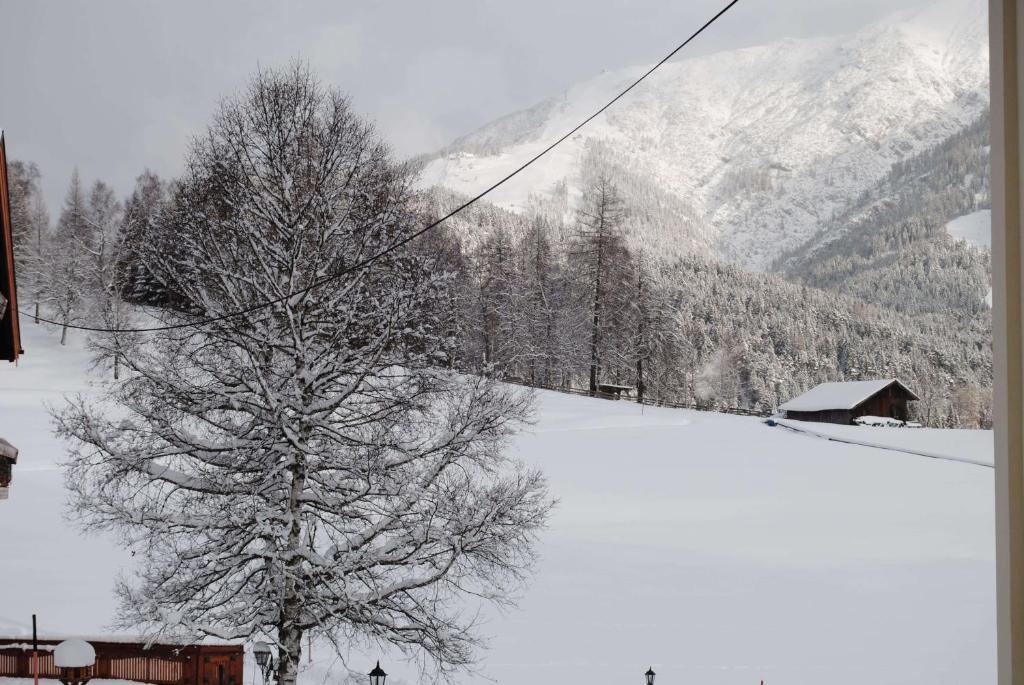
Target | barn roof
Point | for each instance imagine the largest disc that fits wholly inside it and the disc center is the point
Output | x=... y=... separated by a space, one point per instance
x=8 y=451
x=845 y=395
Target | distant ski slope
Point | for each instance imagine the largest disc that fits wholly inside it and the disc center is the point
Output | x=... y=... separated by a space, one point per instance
x=974 y=228
x=713 y=547
x=765 y=143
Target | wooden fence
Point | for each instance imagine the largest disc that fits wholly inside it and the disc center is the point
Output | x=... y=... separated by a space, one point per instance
x=159 y=664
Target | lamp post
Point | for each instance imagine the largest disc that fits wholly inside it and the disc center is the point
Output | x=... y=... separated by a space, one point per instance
x=74 y=660
x=649 y=676
x=265 y=659
x=377 y=675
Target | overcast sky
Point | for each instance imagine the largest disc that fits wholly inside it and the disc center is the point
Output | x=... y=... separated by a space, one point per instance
x=114 y=86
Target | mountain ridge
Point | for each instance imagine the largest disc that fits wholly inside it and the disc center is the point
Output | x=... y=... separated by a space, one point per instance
x=764 y=144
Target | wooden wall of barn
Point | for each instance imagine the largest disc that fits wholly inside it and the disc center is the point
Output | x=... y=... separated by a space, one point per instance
x=159 y=664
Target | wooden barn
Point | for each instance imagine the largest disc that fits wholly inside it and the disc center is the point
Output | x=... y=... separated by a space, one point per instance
x=844 y=402
x=610 y=391
x=158 y=664
x=8 y=458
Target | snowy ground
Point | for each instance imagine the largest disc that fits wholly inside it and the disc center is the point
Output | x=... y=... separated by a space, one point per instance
x=967 y=446
x=975 y=229
x=715 y=548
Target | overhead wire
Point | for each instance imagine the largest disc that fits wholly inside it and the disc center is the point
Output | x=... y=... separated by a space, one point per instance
x=416 y=234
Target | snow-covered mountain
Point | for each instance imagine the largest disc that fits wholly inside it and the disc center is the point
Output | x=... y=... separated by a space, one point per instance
x=917 y=242
x=762 y=145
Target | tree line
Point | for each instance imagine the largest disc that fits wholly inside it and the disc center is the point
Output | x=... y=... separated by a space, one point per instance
x=555 y=302
x=892 y=247
x=568 y=296
x=86 y=267
x=574 y=303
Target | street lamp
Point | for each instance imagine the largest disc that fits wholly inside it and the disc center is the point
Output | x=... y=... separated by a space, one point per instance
x=377 y=675
x=649 y=676
x=74 y=660
x=265 y=659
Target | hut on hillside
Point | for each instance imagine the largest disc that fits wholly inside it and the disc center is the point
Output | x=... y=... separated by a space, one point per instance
x=8 y=458
x=611 y=391
x=846 y=401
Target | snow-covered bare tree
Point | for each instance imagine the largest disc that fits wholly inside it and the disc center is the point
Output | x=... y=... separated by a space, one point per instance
x=62 y=273
x=141 y=212
x=498 y=303
x=544 y=311
x=78 y=269
x=30 y=225
x=601 y=258
x=304 y=470
x=101 y=247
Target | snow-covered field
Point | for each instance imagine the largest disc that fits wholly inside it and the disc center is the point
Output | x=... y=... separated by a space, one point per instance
x=974 y=228
x=713 y=547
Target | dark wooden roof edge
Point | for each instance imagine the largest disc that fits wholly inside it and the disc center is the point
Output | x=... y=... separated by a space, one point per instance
x=114 y=642
x=897 y=381
x=913 y=395
x=10 y=330
x=892 y=382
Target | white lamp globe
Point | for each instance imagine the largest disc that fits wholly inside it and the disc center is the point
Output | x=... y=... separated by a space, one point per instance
x=74 y=653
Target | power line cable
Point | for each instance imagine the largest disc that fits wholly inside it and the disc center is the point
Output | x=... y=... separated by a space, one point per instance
x=416 y=234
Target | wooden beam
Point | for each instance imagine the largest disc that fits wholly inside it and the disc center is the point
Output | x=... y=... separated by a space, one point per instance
x=1005 y=51
x=10 y=333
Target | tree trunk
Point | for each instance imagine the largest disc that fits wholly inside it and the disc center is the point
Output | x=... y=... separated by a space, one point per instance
x=64 y=334
x=290 y=639
x=37 y=312
x=549 y=351
x=595 y=359
x=641 y=336
x=289 y=631
x=117 y=366
x=486 y=331
x=639 y=380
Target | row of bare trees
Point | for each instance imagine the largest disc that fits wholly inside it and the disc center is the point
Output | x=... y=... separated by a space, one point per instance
x=571 y=299
x=83 y=269
x=559 y=304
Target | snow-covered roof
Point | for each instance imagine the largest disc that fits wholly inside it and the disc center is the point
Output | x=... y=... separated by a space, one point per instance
x=844 y=395
x=8 y=451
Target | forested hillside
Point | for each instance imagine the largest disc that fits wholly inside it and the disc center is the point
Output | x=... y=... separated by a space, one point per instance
x=892 y=248
x=834 y=171
x=555 y=302
x=573 y=298
x=567 y=297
